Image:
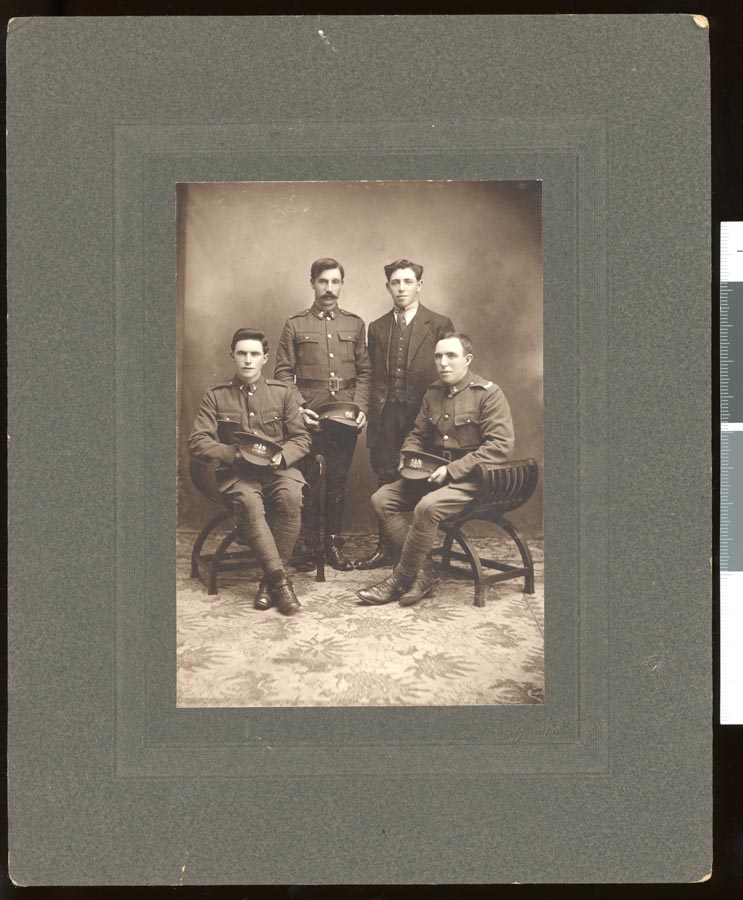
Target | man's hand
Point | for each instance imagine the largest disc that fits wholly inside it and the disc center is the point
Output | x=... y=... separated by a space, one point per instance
x=440 y=476
x=361 y=420
x=276 y=460
x=311 y=418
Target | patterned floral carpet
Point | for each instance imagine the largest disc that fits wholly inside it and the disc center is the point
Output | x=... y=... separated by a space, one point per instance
x=339 y=652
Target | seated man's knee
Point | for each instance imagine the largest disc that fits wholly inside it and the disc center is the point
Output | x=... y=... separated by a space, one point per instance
x=251 y=506
x=380 y=501
x=426 y=511
x=288 y=500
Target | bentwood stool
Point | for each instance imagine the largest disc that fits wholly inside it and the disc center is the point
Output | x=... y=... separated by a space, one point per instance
x=207 y=566
x=503 y=487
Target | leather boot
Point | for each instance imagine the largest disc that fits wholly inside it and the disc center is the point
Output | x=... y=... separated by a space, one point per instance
x=334 y=555
x=424 y=585
x=263 y=599
x=380 y=557
x=282 y=593
x=387 y=591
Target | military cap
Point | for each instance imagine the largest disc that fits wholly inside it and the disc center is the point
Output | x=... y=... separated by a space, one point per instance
x=339 y=413
x=255 y=449
x=417 y=465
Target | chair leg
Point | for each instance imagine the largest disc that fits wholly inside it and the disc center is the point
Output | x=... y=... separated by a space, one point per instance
x=201 y=540
x=474 y=561
x=218 y=556
x=446 y=552
x=525 y=554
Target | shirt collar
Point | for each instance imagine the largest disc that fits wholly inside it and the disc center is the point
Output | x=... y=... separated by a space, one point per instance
x=409 y=311
x=323 y=313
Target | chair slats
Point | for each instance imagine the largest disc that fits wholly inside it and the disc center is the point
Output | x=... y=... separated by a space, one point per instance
x=504 y=487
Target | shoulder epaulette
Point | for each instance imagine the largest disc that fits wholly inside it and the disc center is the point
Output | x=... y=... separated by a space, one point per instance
x=277 y=382
x=482 y=384
x=437 y=384
x=299 y=314
x=347 y=312
x=223 y=384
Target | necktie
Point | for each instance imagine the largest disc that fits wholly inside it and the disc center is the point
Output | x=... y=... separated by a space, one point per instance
x=401 y=323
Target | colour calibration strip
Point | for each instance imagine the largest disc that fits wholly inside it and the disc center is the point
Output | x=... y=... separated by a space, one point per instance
x=731 y=473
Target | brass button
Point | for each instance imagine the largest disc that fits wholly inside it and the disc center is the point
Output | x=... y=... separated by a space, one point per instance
x=331 y=355
x=252 y=414
x=446 y=416
x=446 y=437
x=332 y=374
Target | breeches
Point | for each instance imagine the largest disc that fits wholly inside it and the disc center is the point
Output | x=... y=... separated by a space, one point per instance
x=276 y=492
x=430 y=505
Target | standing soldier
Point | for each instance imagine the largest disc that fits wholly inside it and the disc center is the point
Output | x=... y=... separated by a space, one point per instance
x=322 y=352
x=263 y=417
x=401 y=346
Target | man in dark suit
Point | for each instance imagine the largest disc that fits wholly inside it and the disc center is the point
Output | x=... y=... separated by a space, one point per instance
x=401 y=352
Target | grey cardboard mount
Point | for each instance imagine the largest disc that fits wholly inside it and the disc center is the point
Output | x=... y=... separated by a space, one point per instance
x=609 y=780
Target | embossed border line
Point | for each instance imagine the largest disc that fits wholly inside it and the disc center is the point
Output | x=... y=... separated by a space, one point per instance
x=580 y=144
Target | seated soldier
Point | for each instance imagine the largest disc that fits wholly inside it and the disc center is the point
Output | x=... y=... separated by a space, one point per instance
x=464 y=419
x=267 y=499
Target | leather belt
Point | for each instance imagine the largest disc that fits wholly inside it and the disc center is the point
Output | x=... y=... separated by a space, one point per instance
x=332 y=384
x=451 y=455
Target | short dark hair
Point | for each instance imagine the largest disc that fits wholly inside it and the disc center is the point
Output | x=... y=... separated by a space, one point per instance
x=249 y=334
x=320 y=265
x=403 y=264
x=463 y=339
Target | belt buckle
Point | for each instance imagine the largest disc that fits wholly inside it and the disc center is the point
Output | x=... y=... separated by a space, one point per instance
x=335 y=384
x=446 y=454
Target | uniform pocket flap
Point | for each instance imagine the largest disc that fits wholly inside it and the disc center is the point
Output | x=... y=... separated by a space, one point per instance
x=466 y=419
x=308 y=338
x=229 y=416
x=348 y=335
x=271 y=415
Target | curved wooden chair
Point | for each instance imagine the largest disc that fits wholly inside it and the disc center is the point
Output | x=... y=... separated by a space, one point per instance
x=207 y=566
x=504 y=487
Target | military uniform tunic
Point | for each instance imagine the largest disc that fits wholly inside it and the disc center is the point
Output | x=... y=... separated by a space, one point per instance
x=266 y=408
x=318 y=345
x=469 y=422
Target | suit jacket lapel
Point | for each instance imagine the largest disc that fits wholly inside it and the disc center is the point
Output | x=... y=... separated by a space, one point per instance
x=418 y=334
x=385 y=333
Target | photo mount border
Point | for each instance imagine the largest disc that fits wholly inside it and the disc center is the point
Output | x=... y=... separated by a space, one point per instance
x=150 y=161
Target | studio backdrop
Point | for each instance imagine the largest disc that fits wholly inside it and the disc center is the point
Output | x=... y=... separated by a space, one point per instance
x=244 y=255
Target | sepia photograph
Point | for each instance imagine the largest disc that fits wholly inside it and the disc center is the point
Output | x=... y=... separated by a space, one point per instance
x=360 y=444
